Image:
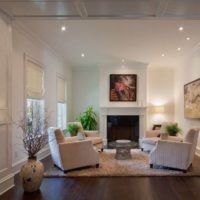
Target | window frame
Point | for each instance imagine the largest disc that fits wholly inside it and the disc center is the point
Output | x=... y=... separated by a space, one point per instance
x=59 y=76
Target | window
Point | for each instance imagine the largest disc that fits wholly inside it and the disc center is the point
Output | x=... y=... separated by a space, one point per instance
x=61 y=103
x=35 y=93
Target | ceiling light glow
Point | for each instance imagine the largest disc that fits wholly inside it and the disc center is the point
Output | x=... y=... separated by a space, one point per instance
x=82 y=55
x=163 y=55
x=188 y=38
x=180 y=28
x=123 y=60
x=63 y=28
x=178 y=49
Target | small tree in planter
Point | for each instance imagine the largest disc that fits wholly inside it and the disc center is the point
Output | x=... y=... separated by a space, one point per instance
x=88 y=119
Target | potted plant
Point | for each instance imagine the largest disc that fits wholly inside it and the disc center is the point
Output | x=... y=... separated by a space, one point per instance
x=88 y=119
x=173 y=129
x=72 y=129
x=35 y=138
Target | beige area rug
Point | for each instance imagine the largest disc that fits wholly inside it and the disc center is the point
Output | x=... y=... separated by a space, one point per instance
x=137 y=166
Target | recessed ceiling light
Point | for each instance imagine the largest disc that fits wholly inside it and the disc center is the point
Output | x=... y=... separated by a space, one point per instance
x=180 y=28
x=178 y=49
x=188 y=38
x=82 y=55
x=163 y=55
x=63 y=28
x=123 y=60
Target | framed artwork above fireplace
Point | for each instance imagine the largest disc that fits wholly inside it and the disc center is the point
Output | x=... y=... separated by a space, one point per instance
x=123 y=87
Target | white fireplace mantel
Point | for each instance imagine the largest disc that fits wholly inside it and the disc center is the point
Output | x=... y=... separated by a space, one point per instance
x=122 y=110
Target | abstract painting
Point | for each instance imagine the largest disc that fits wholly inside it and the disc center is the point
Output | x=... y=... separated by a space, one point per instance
x=123 y=87
x=192 y=99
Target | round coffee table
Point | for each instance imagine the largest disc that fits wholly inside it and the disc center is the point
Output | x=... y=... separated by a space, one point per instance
x=123 y=148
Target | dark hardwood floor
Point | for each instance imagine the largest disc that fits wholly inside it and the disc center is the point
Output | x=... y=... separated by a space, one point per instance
x=110 y=188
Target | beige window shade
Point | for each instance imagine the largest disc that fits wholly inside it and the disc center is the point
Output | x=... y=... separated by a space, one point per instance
x=61 y=95
x=34 y=80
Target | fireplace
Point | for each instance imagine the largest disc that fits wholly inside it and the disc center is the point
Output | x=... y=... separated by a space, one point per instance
x=106 y=112
x=122 y=127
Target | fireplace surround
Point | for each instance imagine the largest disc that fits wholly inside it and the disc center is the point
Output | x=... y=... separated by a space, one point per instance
x=122 y=111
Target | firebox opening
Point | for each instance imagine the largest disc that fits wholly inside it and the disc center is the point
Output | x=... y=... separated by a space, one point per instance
x=122 y=127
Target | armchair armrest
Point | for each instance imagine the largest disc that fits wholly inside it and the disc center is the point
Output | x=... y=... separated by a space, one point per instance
x=171 y=154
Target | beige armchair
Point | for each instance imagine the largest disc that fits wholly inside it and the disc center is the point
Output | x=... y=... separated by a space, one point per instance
x=151 y=137
x=93 y=136
x=175 y=154
x=69 y=153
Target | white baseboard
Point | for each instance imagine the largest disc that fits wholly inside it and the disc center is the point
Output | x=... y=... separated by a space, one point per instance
x=6 y=183
x=17 y=165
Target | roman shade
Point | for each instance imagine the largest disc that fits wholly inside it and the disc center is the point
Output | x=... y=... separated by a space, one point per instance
x=61 y=97
x=34 y=80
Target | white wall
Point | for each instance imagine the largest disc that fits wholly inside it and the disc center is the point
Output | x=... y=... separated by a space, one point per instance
x=85 y=90
x=105 y=85
x=160 y=92
x=6 y=177
x=26 y=44
x=189 y=71
x=155 y=86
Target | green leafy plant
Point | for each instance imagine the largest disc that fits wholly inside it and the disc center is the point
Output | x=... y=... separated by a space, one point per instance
x=88 y=119
x=173 y=129
x=72 y=129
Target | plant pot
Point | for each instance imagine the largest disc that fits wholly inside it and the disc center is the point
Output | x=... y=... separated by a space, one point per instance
x=164 y=136
x=173 y=134
x=31 y=174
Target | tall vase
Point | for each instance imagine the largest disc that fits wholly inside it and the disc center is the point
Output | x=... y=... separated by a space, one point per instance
x=31 y=174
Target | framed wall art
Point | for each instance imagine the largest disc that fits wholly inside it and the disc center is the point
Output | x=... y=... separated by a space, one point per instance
x=192 y=99
x=123 y=87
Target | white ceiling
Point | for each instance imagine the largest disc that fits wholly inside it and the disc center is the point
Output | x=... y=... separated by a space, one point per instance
x=106 y=42
x=108 y=31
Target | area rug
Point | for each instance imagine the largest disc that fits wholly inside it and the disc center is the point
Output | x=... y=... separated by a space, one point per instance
x=109 y=166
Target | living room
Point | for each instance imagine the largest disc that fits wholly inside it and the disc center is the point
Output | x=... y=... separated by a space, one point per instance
x=83 y=53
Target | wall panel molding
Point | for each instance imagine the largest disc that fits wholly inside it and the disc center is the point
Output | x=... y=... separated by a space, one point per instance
x=6 y=176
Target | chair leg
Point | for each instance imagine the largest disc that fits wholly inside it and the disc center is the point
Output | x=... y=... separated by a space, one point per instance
x=151 y=165
x=101 y=149
x=142 y=149
x=97 y=165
